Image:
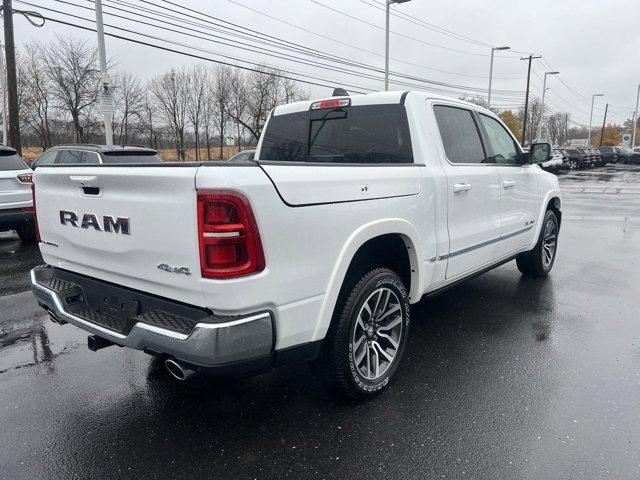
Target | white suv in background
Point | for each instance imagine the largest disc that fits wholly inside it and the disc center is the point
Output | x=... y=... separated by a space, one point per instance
x=16 y=205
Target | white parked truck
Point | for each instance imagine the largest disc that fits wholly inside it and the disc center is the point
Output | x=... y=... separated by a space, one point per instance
x=354 y=208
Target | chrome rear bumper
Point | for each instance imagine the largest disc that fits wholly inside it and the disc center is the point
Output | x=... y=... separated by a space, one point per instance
x=193 y=335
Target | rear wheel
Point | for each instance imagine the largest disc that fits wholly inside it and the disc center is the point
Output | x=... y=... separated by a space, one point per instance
x=573 y=164
x=370 y=333
x=538 y=262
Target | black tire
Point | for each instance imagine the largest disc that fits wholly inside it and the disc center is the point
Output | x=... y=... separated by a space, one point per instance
x=340 y=358
x=535 y=262
x=26 y=234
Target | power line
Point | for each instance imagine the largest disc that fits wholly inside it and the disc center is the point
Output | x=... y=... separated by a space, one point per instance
x=371 y=52
x=397 y=33
x=224 y=56
x=465 y=88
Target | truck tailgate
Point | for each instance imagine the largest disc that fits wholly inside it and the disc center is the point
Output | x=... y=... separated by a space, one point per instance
x=134 y=226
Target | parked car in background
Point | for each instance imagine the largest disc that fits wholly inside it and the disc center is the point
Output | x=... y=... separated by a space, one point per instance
x=597 y=156
x=591 y=158
x=609 y=154
x=576 y=159
x=16 y=204
x=635 y=157
x=96 y=154
x=243 y=156
x=624 y=154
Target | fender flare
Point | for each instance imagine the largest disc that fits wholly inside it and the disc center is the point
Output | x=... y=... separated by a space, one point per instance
x=554 y=193
x=358 y=238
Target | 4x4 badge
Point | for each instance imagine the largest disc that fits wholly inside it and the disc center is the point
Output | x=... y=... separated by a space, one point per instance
x=170 y=269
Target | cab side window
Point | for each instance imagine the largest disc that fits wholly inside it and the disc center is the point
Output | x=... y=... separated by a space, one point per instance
x=459 y=133
x=90 y=157
x=505 y=151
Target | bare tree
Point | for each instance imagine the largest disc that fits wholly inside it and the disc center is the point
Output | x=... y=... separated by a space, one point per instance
x=129 y=101
x=35 y=87
x=237 y=106
x=264 y=90
x=71 y=65
x=222 y=95
x=170 y=91
x=198 y=84
x=534 y=118
x=556 y=125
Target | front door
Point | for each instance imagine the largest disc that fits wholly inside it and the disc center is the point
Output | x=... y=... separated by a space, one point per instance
x=473 y=192
x=519 y=202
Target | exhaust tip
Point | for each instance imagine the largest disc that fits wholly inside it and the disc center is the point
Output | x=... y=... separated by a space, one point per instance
x=175 y=369
x=178 y=371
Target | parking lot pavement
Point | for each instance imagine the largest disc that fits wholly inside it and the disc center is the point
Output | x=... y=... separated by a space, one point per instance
x=504 y=378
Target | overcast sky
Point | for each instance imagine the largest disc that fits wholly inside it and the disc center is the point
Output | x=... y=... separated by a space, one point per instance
x=593 y=43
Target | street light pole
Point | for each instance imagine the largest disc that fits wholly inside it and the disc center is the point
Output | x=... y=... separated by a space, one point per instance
x=104 y=75
x=386 y=41
x=3 y=83
x=593 y=97
x=635 y=120
x=544 y=91
x=493 y=49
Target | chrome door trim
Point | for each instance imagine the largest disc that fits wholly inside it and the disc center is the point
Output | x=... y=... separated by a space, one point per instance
x=484 y=244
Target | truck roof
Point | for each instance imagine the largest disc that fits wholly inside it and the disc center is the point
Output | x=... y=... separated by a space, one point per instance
x=374 y=98
x=105 y=148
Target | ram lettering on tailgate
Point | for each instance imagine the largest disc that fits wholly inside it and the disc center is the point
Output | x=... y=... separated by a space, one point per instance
x=90 y=220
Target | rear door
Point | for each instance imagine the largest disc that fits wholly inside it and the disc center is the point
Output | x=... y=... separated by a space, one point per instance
x=518 y=183
x=340 y=153
x=120 y=223
x=473 y=191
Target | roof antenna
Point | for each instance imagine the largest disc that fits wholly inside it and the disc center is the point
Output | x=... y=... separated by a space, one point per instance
x=340 y=92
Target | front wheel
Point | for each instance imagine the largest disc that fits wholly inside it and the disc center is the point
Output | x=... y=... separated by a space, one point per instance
x=539 y=261
x=371 y=330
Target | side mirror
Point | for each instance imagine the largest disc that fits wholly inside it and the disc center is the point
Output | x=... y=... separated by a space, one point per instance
x=540 y=152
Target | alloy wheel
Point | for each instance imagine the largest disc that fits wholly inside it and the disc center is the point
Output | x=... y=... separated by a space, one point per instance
x=377 y=333
x=549 y=238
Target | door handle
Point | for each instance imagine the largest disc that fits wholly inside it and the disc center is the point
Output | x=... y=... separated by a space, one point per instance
x=461 y=187
x=508 y=184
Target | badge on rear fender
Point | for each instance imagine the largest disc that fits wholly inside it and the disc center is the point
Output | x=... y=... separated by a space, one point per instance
x=170 y=269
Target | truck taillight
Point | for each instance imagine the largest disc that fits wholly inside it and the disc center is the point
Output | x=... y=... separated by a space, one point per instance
x=228 y=235
x=33 y=210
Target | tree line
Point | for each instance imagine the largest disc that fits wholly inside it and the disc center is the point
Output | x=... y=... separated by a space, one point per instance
x=199 y=107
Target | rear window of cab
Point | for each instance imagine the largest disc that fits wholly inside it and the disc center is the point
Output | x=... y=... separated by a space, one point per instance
x=353 y=134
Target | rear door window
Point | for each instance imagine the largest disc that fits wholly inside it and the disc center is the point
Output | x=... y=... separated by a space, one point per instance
x=11 y=161
x=460 y=136
x=355 y=134
x=69 y=157
x=47 y=158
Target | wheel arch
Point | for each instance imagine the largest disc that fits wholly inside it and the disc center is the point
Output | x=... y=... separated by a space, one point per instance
x=370 y=238
x=552 y=201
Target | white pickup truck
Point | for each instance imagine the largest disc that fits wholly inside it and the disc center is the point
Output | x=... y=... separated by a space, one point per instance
x=354 y=208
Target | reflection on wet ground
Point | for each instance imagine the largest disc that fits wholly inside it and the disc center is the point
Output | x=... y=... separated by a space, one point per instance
x=505 y=377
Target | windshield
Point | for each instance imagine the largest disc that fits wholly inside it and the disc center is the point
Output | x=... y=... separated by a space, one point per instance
x=360 y=134
x=11 y=161
x=128 y=156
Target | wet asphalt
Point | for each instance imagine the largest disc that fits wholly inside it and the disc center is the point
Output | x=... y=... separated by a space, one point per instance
x=504 y=378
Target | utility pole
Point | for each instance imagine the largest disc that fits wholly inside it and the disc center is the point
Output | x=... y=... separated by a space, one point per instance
x=3 y=84
x=526 y=97
x=566 y=128
x=593 y=97
x=544 y=94
x=12 y=82
x=603 y=122
x=386 y=41
x=106 y=95
x=493 y=49
x=635 y=120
